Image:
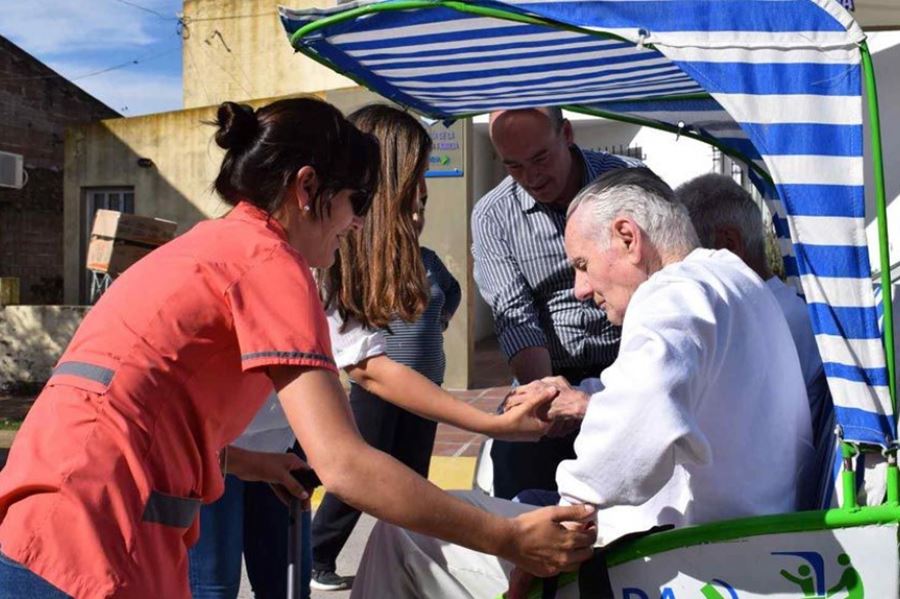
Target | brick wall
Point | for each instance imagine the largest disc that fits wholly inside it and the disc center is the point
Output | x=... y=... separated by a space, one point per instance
x=36 y=106
x=31 y=243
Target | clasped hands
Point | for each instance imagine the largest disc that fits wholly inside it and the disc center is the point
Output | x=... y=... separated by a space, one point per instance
x=563 y=406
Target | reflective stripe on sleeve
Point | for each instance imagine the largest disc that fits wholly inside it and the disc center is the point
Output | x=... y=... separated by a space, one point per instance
x=171 y=510
x=91 y=372
x=287 y=355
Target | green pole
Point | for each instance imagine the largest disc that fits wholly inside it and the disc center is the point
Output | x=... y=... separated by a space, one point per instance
x=893 y=480
x=848 y=477
x=881 y=213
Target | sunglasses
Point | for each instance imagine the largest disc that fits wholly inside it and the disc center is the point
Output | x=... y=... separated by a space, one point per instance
x=361 y=200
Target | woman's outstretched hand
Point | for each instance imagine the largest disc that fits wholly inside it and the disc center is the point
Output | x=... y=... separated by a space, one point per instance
x=525 y=413
x=553 y=539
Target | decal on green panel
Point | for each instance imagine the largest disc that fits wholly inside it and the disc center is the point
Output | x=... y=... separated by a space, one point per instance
x=810 y=576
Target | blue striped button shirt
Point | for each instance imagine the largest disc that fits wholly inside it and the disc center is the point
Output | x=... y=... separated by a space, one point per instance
x=522 y=272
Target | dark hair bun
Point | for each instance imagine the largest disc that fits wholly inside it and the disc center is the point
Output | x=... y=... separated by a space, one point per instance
x=237 y=125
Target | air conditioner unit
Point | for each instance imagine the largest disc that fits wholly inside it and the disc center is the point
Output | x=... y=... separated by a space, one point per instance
x=12 y=170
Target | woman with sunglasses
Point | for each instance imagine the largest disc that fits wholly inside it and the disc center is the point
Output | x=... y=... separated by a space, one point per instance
x=400 y=350
x=100 y=495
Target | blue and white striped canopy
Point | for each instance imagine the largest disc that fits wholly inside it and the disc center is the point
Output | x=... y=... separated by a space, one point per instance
x=776 y=83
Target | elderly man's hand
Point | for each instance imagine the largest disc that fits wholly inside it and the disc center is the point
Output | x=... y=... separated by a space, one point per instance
x=570 y=404
x=566 y=411
x=523 y=393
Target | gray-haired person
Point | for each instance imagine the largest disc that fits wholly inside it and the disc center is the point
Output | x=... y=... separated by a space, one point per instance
x=706 y=370
x=522 y=273
x=726 y=217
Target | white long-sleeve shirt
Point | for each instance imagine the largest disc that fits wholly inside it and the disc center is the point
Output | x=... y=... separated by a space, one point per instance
x=703 y=416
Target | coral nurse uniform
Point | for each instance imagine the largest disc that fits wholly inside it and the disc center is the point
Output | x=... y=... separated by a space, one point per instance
x=105 y=479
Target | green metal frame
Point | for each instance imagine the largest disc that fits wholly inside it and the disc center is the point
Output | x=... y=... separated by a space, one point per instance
x=893 y=477
x=849 y=515
x=730 y=530
x=672 y=129
x=881 y=214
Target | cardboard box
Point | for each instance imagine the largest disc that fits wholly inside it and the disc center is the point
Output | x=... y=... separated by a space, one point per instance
x=118 y=240
x=114 y=256
x=9 y=291
x=112 y=224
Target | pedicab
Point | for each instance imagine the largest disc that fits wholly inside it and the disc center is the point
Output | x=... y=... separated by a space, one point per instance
x=778 y=85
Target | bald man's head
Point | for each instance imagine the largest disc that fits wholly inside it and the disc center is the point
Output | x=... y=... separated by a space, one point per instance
x=553 y=113
x=534 y=145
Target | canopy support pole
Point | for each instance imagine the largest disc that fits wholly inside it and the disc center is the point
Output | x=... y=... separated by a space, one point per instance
x=848 y=476
x=623 y=118
x=893 y=481
x=881 y=214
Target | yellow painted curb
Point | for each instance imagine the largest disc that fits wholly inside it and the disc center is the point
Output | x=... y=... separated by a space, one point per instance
x=452 y=473
x=446 y=472
x=6 y=438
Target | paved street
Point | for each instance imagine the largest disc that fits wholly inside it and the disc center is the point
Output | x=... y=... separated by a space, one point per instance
x=347 y=562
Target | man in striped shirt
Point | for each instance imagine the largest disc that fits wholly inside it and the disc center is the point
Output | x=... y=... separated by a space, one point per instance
x=522 y=273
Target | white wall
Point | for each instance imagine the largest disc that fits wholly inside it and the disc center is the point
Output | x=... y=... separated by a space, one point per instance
x=885 y=49
x=676 y=160
x=34 y=339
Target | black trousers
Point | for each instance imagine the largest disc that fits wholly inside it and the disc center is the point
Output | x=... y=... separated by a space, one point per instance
x=384 y=426
x=522 y=466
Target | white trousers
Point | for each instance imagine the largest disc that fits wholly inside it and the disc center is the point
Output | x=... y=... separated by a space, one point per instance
x=399 y=564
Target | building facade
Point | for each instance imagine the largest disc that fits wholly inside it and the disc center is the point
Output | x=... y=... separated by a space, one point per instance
x=36 y=107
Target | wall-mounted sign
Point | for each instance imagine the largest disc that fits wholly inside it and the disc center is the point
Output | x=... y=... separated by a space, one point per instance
x=446 y=159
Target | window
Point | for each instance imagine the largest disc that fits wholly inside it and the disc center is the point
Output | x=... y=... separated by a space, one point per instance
x=726 y=165
x=623 y=150
x=100 y=198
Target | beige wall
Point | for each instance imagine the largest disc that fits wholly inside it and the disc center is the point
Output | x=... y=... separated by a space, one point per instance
x=487 y=172
x=175 y=187
x=34 y=338
x=447 y=233
x=238 y=50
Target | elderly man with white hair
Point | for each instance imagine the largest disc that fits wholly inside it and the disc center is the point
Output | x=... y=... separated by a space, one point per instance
x=702 y=417
x=726 y=217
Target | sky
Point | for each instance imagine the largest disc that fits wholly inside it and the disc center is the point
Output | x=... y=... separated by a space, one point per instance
x=78 y=38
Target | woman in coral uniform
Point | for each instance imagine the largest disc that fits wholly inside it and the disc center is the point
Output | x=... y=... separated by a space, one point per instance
x=100 y=495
